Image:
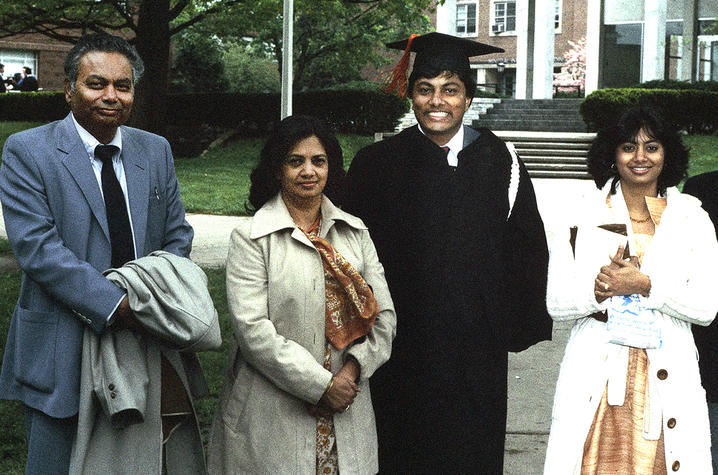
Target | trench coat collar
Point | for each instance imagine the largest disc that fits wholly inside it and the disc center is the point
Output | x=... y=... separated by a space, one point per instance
x=274 y=216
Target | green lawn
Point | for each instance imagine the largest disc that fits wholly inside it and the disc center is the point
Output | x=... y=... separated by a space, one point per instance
x=218 y=181
x=703 y=153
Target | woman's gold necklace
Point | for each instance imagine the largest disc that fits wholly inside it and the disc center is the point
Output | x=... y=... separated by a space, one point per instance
x=639 y=221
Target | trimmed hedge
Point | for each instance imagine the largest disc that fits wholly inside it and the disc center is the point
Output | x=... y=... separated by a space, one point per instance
x=33 y=106
x=359 y=110
x=695 y=111
x=675 y=84
x=350 y=110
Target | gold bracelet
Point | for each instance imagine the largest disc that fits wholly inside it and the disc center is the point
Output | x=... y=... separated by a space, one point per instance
x=329 y=386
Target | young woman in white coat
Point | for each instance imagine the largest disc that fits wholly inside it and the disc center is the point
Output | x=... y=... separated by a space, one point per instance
x=629 y=397
x=312 y=317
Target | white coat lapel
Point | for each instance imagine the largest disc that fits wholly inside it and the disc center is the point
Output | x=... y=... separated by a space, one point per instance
x=75 y=158
x=137 y=175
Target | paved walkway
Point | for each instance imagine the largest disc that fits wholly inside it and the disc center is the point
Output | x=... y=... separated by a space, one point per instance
x=532 y=373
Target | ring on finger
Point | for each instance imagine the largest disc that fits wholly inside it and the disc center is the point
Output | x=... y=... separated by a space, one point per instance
x=605 y=286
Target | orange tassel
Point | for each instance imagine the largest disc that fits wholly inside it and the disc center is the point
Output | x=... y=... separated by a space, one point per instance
x=396 y=78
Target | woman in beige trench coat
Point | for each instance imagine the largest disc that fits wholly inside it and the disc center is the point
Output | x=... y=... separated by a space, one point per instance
x=306 y=338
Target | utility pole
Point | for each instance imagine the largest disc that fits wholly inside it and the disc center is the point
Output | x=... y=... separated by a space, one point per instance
x=287 y=62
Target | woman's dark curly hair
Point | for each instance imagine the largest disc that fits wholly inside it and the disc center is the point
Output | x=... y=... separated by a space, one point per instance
x=286 y=135
x=602 y=155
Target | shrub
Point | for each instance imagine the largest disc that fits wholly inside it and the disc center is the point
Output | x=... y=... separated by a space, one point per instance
x=695 y=111
x=674 y=84
x=33 y=106
x=359 y=110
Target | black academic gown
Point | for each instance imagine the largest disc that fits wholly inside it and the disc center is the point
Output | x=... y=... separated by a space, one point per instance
x=468 y=286
x=705 y=188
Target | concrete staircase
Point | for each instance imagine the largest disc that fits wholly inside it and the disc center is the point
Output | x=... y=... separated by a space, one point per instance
x=544 y=115
x=552 y=154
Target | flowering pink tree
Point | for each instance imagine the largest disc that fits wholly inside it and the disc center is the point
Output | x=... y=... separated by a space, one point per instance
x=573 y=71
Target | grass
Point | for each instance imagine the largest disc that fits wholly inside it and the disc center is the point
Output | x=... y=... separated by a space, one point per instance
x=218 y=181
x=704 y=153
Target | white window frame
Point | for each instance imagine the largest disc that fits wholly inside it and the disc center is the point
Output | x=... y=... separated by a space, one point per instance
x=557 y=22
x=15 y=59
x=466 y=18
x=494 y=24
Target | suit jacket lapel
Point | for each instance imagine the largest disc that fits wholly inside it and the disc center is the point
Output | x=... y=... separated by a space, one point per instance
x=75 y=158
x=138 y=186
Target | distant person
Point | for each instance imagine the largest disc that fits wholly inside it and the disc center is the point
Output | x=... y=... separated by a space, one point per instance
x=79 y=196
x=454 y=217
x=3 y=81
x=28 y=83
x=633 y=274
x=312 y=318
x=705 y=188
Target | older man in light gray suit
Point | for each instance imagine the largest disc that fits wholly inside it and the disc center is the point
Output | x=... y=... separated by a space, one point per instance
x=72 y=211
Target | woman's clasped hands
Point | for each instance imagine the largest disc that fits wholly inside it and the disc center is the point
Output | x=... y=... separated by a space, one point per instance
x=621 y=277
x=341 y=392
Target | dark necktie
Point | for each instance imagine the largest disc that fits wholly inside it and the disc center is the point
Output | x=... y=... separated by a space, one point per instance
x=117 y=219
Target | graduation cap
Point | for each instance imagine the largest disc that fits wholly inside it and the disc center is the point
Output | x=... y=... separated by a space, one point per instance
x=435 y=51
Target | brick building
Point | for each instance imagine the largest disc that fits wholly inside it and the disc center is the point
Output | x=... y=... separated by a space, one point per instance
x=43 y=55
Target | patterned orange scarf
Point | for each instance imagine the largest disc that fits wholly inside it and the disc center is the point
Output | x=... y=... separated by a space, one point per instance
x=351 y=308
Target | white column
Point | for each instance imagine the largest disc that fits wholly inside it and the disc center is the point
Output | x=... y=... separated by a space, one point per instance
x=446 y=17
x=687 y=71
x=524 y=49
x=544 y=34
x=594 y=20
x=287 y=59
x=653 y=64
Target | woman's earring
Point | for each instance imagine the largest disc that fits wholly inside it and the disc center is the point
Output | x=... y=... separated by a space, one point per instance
x=613 y=166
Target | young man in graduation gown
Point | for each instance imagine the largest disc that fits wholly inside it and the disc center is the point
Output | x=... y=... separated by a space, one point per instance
x=454 y=219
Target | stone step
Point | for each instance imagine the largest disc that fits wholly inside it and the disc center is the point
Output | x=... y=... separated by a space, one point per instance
x=535 y=126
x=549 y=154
x=503 y=106
x=559 y=174
x=574 y=167
x=554 y=161
x=555 y=145
x=531 y=137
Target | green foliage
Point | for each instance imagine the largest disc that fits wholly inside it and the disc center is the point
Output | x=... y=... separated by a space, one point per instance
x=691 y=110
x=675 y=84
x=333 y=39
x=360 y=111
x=198 y=65
x=250 y=72
x=33 y=106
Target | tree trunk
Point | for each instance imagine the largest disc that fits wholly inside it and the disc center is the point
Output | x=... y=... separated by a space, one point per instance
x=153 y=45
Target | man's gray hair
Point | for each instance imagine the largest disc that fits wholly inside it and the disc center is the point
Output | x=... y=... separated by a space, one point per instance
x=106 y=43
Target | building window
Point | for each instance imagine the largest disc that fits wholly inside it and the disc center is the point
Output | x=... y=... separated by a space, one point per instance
x=466 y=19
x=504 y=17
x=557 y=17
x=15 y=59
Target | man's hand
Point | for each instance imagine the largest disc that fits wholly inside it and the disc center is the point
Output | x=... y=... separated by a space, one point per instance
x=124 y=319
